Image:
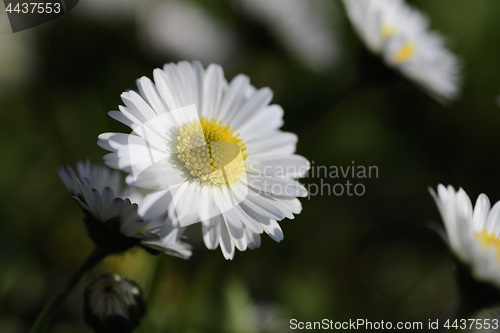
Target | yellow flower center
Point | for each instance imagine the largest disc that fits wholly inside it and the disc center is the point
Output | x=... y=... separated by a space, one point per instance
x=488 y=240
x=210 y=153
x=406 y=52
x=387 y=31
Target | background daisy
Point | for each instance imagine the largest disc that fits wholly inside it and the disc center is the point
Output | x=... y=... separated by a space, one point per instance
x=399 y=34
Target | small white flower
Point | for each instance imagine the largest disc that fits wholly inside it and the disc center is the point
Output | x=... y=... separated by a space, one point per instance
x=473 y=233
x=113 y=304
x=212 y=151
x=399 y=34
x=104 y=200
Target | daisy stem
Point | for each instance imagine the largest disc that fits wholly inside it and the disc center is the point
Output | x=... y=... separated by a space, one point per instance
x=52 y=307
x=157 y=277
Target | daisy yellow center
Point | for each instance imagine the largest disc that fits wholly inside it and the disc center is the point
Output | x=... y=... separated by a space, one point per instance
x=387 y=31
x=406 y=52
x=210 y=153
x=488 y=240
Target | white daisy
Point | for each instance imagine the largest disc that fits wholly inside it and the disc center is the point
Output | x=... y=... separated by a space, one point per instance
x=473 y=233
x=400 y=35
x=113 y=304
x=112 y=219
x=212 y=151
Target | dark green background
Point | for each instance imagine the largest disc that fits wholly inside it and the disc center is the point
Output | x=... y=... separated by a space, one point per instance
x=375 y=257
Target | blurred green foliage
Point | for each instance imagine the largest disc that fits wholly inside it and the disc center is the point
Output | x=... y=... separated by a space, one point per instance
x=375 y=256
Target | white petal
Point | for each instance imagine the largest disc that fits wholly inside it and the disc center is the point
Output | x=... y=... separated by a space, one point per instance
x=262 y=123
x=273 y=229
x=292 y=204
x=155 y=204
x=226 y=245
x=265 y=206
x=213 y=83
x=249 y=219
x=236 y=229
x=137 y=107
x=278 y=143
x=233 y=97
x=253 y=239
x=294 y=166
x=150 y=94
x=186 y=199
x=277 y=186
x=119 y=116
x=178 y=249
x=258 y=101
x=211 y=231
x=493 y=221
x=481 y=210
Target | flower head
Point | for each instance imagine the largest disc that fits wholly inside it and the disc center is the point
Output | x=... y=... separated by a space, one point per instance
x=212 y=152
x=400 y=35
x=113 y=304
x=111 y=218
x=473 y=233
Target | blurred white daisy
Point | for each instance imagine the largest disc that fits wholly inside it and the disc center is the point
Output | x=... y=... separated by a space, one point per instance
x=166 y=25
x=473 y=233
x=113 y=304
x=302 y=27
x=400 y=35
x=212 y=151
x=112 y=219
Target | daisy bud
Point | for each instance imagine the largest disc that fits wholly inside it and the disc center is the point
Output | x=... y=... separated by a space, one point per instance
x=113 y=304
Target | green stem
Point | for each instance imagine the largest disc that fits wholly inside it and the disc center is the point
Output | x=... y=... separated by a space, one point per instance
x=157 y=277
x=52 y=307
x=155 y=280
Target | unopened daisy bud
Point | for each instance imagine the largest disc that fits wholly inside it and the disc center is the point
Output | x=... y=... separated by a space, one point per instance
x=113 y=304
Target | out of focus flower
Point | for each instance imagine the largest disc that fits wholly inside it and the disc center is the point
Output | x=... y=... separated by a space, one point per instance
x=303 y=27
x=213 y=153
x=473 y=233
x=399 y=34
x=185 y=30
x=113 y=304
x=112 y=219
